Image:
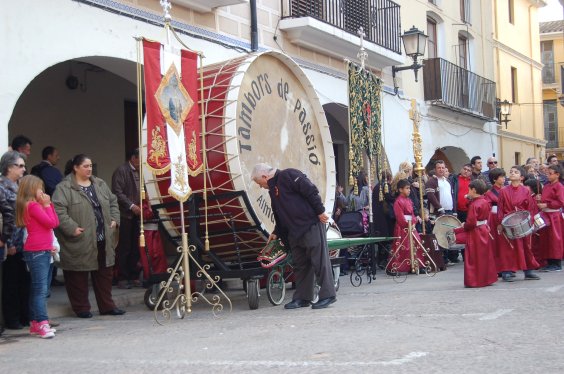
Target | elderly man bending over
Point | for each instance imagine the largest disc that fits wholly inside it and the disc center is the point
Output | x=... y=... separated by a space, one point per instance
x=300 y=223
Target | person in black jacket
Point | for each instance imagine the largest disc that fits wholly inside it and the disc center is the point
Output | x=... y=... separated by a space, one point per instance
x=300 y=220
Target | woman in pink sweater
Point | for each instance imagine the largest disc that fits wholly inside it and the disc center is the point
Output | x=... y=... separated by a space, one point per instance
x=36 y=213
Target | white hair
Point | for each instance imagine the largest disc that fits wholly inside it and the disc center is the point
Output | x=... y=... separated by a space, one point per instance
x=262 y=169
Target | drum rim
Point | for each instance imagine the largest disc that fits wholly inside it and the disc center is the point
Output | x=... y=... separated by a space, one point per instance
x=232 y=147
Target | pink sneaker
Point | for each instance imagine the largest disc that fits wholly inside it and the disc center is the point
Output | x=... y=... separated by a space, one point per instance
x=42 y=329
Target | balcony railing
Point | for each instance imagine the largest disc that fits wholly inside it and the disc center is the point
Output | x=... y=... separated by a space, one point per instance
x=380 y=19
x=451 y=86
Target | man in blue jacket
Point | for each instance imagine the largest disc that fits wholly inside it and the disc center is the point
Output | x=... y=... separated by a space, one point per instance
x=300 y=223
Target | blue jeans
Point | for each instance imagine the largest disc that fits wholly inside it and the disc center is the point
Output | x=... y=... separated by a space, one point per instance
x=39 y=264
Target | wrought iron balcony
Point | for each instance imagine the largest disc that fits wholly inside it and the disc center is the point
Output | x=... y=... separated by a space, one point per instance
x=323 y=21
x=453 y=87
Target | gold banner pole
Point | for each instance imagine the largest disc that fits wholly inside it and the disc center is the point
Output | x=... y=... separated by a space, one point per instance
x=140 y=145
x=418 y=155
x=204 y=153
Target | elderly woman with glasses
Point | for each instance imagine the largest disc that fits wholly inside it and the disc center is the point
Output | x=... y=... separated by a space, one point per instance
x=15 y=279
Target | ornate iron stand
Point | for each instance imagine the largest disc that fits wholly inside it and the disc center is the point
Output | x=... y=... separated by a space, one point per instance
x=175 y=294
x=416 y=264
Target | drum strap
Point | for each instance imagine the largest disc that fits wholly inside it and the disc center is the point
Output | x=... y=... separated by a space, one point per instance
x=480 y=223
x=548 y=210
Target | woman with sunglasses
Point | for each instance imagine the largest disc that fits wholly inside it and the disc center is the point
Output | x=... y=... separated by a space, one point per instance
x=15 y=278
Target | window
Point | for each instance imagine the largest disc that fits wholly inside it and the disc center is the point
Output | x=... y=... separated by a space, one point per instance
x=517 y=158
x=465 y=11
x=432 y=38
x=511 y=12
x=514 y=93
x=561 y=79
x=547 y=58
x=462 y=52
x=550 y=123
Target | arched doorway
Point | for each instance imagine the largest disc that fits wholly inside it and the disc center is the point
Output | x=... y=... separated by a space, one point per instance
x=337 y=118
x=453 y=157
x=86 y=105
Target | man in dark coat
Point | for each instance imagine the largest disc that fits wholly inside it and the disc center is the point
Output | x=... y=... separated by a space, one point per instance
x=125 y=185
x=46 y=170
x=300 y=222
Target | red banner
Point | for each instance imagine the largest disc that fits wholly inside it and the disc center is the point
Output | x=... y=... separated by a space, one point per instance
x=157 y=151
x=158 y=158
x=192 y=127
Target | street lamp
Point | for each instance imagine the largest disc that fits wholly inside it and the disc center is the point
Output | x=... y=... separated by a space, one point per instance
x=504 y=110
x=414 y=43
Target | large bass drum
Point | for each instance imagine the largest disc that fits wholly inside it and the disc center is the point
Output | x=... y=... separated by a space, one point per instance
x=258 y=108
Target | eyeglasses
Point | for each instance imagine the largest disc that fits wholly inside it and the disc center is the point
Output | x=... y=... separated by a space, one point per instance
x=492 y=162
x=467 y=169
x=21 y=166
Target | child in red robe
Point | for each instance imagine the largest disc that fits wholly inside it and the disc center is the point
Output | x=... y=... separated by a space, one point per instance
x=552 y=201
x=515 y=254
x=479 y=265
x=497 y=179
x=400 y=258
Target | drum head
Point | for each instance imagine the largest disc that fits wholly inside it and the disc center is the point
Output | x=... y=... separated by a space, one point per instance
x=444 y=224
x=279 y=121
x=515 y=218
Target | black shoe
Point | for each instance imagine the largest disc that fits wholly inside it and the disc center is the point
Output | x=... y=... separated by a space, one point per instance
x=531 y=276
x=507 y=277
x=113 y=312
x=324 y=303
x=14 y=326
x=295 y=304
x=84 y=315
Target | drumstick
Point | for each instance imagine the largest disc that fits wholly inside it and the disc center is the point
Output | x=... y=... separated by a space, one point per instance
x=508 y=241
x=449 y=225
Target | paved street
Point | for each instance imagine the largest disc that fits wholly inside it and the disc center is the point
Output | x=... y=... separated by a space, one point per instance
x=426 y=324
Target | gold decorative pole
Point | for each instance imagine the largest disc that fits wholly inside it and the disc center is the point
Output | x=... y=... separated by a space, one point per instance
x=140 y=143
x=418 y=154
x=204 y=154
x=411 y=245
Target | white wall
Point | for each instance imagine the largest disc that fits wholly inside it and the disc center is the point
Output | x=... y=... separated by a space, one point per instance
x=90 y=122
x=36 y=35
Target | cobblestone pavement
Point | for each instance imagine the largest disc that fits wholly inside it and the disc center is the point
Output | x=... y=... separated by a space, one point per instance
x=425 y=324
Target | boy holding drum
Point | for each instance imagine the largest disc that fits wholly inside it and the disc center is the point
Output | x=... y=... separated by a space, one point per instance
x=515 y=254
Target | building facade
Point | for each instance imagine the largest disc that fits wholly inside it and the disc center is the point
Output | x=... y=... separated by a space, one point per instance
x=93 y=43
x=552 y=57
x=518 y=75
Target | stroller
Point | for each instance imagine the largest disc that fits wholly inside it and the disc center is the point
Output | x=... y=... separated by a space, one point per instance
x=361 y=259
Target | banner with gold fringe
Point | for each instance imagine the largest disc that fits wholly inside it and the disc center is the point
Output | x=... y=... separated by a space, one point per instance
x=365 y=119
x=173 y=131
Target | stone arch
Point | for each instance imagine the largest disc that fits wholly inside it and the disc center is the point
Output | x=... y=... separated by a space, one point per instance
x=453 y=157
x=82 y=105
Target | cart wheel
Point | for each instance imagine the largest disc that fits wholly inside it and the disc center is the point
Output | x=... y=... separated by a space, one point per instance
x=151 y=297
x=336 y=274
x=356 y=279
x=316 y=289
x=276 y=287
x=253 y=293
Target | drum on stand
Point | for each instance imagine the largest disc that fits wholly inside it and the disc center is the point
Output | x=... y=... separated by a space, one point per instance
x=258 y=108
x=444 y=233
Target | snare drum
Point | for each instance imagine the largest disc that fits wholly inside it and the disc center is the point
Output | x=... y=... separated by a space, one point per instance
x=444 y=231
x=517 y=224
x=258 y=108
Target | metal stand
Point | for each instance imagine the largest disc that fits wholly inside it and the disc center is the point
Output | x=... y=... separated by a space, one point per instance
x=416 y=264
